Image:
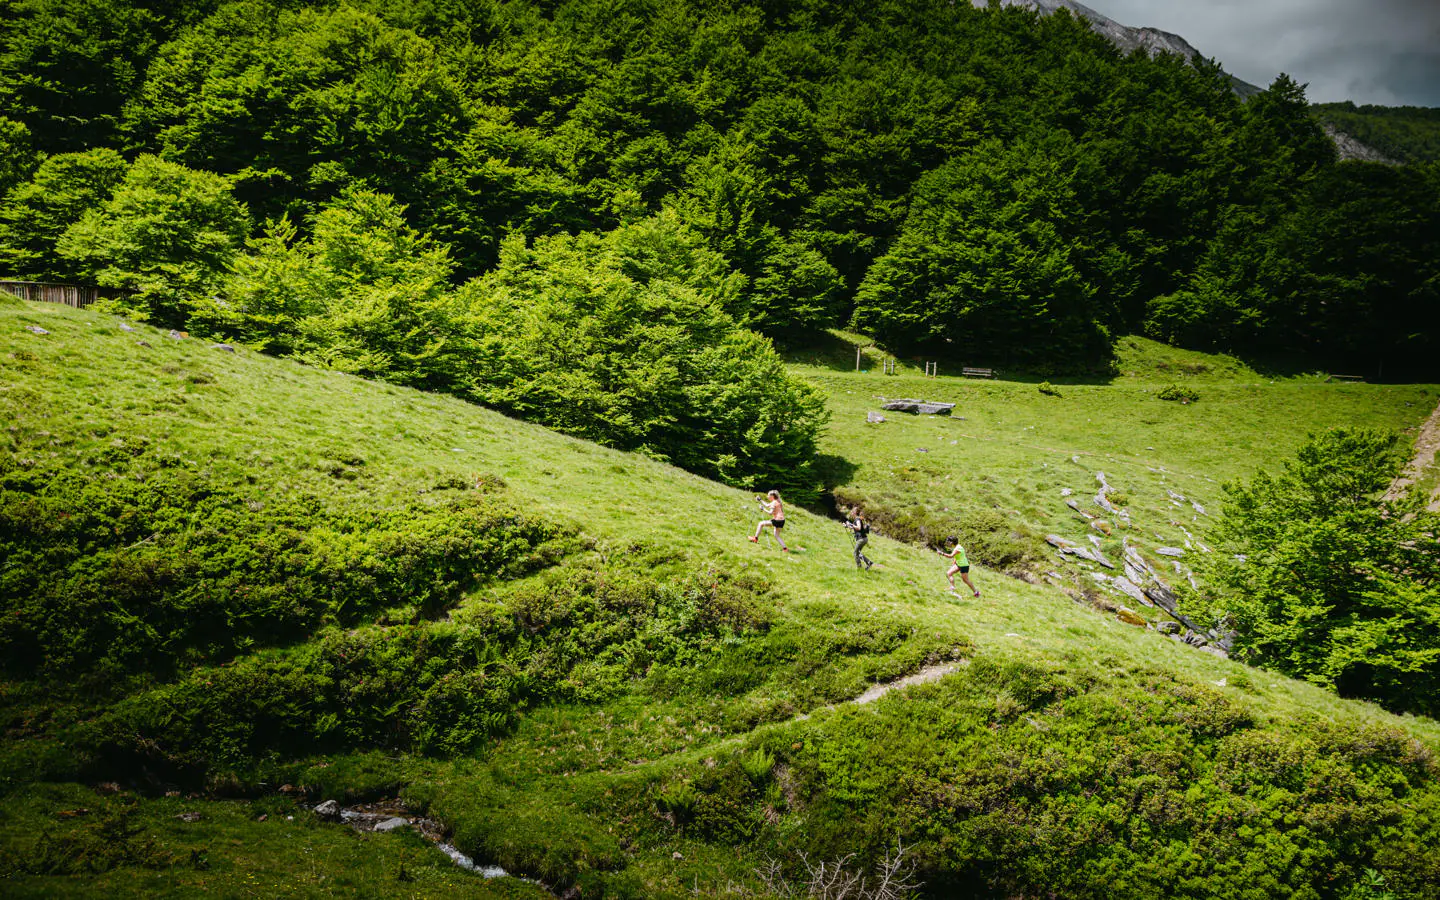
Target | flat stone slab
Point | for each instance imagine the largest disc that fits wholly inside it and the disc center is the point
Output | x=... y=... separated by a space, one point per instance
x=920 y=407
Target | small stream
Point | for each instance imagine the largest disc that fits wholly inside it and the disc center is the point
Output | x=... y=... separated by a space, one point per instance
x=388 y=815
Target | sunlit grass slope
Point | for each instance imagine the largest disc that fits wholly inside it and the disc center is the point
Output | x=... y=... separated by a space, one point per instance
x=1064 y=745
x=1012 y=449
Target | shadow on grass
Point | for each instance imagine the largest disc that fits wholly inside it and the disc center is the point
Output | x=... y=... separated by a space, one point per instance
x=834 y=471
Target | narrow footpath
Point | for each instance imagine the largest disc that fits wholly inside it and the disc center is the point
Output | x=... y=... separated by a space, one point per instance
x=1426 y=443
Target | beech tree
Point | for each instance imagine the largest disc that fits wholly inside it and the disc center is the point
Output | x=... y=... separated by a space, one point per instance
x=1327 y=581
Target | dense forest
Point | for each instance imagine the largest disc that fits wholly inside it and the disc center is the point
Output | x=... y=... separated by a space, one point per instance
x=567 y=209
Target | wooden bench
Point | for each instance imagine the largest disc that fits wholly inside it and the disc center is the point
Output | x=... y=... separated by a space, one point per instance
x=972 y=372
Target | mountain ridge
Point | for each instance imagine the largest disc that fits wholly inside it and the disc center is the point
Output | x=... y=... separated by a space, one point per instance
x=1128 y=38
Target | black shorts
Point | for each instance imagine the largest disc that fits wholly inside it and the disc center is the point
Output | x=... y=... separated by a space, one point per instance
x=778 y=523
x=964 y=570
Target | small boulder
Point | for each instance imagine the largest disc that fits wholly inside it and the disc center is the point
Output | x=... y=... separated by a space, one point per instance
x=189 y=817
x=328 y=810
x=1130 y=616
x=1169 y=551
x=177 y=335
x=125 y=326
x=35 y=329
x=1168 y=628
x=874 y=418
x=228 y=348
x=392 y=823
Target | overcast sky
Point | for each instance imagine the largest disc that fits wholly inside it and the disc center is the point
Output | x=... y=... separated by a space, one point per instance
x=1368 y=51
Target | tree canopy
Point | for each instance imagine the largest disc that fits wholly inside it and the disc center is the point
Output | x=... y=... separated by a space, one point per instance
x=991 y=184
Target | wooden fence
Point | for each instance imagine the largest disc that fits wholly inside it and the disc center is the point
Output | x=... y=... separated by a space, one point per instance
x=74 y=295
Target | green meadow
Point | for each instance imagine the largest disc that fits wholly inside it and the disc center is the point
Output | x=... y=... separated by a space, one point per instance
x=663 y=702
x=1004 y=456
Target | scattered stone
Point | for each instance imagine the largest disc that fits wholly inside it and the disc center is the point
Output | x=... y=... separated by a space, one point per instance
x=920 y=407
x=1198 y=508
x=125 y=326
x=1130 y=617
x=287 y=788
x=1065 y=492
x=1169 y=551
x=328 y=810
x=1127 y=587
x=874 y=418
x=1102 y=501
x=392 y=823
x=1166 y=601
x=226 y=347
x=35 y=329
x=1066 y=547
x=1214 y=651
x=1175 y=496
x=1168 y=628
x=263 y=817
x=178 y=335
x=143 y=343
x=107 y=787
x=921 y=450
x=677 y=855
x=1101 y=526
x=189 y=817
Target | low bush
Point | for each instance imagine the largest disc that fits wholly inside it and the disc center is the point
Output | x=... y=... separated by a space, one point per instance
x=111 y=575
x=571 y=634
x=1178 y=393
x=1018 y=778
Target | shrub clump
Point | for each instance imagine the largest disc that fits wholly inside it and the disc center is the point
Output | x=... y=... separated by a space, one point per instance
x=1178 y=394
x=105 y=577
x=571 y=634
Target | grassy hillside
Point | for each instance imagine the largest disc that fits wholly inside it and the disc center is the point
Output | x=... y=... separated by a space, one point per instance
x=1002 y=459
x=1409 y=134
x=573 y=658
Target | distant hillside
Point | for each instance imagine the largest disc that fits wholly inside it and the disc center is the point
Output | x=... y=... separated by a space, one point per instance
x=1127 y=38
x=1406 y=134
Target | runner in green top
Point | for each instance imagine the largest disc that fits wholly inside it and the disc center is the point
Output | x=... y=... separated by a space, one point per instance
x=962 y=566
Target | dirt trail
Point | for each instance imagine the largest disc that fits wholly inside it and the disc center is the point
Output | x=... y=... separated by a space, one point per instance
x=1427 y=442
x=876 y=691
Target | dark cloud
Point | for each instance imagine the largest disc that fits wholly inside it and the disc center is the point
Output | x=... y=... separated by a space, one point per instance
x=1381 y=51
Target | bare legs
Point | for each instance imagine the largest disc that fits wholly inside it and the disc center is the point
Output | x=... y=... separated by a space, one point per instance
x=964 y=576
x=773 y=530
